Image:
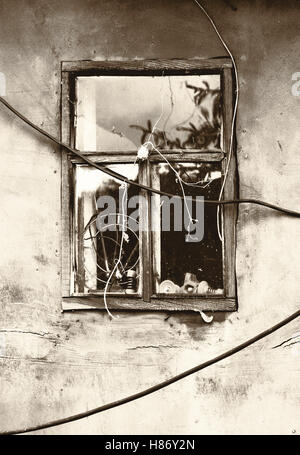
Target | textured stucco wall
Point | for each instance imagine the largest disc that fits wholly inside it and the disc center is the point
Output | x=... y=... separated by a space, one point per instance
x=55 y=364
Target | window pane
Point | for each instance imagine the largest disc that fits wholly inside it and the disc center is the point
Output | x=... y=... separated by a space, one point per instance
x=99 y=203
x=118 y=113
x=187 y=264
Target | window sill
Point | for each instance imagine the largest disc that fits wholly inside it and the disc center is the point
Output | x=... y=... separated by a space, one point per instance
x=125 y=303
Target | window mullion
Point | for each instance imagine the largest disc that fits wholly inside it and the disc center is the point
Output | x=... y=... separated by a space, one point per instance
x=145 y=233
x=229 y=211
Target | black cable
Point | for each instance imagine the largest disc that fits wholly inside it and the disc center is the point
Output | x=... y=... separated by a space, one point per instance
x=139 y=185
x=156 y=387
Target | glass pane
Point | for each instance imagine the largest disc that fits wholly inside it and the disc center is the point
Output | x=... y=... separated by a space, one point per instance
x=102 y=245
x=119 y=113
x=187 y=264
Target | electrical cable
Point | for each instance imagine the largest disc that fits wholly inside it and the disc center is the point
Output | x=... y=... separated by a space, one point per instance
x=180 y=180
x=159 y=386
x=234 y=111
x=236 y=91
x=115 y=268
x=120 y=177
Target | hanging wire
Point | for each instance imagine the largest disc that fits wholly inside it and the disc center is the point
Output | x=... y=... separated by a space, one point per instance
x=161 y=112
x=125 y=187
x=117 y=244
x=233 y=117
x=121 y=178
x=181 y=182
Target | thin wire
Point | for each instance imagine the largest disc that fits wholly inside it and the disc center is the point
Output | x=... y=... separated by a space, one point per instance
x=116 y=242
x=159 y=386
x=237 y=91
x=120 y=253
x=198 y=184
x=171 y=111
x=234 y=112
x=220 y=235
x=121 y=178
x=180 y=182
x=161 y=112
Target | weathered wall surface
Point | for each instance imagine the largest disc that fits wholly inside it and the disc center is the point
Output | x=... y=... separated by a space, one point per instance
x=55 y=364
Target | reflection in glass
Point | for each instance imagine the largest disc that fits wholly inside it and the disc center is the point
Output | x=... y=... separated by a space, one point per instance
x=118 y=113
x=99 y=224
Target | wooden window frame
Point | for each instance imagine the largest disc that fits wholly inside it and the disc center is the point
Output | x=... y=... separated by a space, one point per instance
x=148 y=302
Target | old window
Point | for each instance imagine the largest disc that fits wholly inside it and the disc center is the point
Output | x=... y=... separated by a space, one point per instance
x=143 y=250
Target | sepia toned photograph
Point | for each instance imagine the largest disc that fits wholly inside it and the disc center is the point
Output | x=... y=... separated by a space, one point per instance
x=150 y=220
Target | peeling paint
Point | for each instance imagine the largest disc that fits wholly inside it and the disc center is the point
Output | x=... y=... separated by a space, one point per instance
x=12 y=293
x=41 y=259
x=153 y=347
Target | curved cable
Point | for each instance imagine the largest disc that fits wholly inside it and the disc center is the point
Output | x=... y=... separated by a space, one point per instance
x=120 y=254
x=234 y=111
x=156 y=387
x=120 y=177
x=236 y=91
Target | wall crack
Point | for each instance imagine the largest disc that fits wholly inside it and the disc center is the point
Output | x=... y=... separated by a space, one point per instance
x=25 y=332
x=151 y=346
x=284 y=343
